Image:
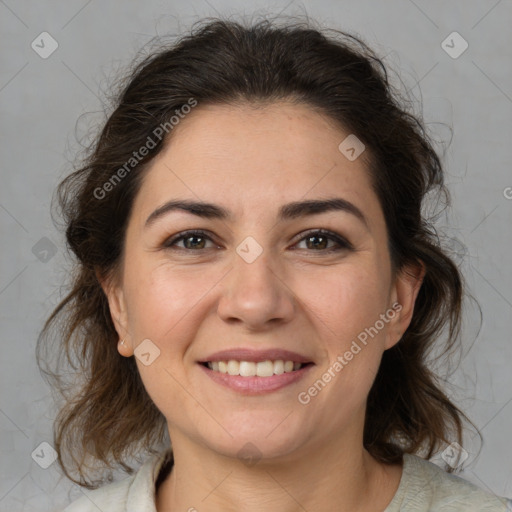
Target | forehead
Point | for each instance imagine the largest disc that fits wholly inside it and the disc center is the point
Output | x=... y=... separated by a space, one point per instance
x=248 y=157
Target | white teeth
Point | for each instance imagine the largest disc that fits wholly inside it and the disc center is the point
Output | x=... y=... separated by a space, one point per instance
x=233 y=367
x=247 y=369
x=251 y=369
x=265 y=369
x=279 y=367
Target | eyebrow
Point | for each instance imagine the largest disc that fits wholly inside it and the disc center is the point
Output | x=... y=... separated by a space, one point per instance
x=288 y=211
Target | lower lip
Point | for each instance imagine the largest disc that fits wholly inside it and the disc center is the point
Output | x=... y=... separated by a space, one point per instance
x=256 y=385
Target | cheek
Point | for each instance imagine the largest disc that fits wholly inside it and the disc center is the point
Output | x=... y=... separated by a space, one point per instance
x=349 y=305
x=160 y=299
x=164 y=304
x=346 y=304
x=344 y=301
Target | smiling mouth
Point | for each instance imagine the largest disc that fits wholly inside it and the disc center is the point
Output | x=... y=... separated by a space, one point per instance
x=266 y=368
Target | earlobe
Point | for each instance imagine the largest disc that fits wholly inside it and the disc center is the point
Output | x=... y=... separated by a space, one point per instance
x=124 y=349
x=406 y=288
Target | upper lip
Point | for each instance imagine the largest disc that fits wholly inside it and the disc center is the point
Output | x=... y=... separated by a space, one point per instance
x=247 y=354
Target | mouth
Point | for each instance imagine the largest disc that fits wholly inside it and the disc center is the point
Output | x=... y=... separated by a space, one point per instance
x=251 y=372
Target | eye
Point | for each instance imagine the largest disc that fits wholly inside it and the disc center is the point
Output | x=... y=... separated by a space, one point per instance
x=319 y=239
x=193 y=240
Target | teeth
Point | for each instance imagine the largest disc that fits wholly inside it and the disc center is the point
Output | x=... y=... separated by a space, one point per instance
x=247 y=369
x=233 y=368
x=251 y=369
x=279 y=367
x=264 y=369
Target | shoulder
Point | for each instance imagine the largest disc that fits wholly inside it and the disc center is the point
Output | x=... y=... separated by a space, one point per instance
x=136 y=492
x=425 y=486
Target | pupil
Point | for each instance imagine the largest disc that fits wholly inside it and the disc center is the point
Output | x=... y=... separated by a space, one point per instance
x=194 y=237
x=318 y=237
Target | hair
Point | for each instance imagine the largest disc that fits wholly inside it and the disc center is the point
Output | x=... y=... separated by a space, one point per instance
x=107 y=413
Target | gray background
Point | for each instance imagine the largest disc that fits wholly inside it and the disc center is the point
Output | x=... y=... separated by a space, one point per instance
x=42 y=99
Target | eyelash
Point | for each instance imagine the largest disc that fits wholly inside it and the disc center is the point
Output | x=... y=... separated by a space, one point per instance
x=342 y=243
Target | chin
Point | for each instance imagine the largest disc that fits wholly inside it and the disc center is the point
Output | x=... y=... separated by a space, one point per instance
x=255 y=437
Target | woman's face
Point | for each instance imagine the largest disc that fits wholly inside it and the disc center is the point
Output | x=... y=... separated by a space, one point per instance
x=259 y=281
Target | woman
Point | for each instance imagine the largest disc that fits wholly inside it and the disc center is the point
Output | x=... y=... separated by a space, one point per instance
x=256 y=286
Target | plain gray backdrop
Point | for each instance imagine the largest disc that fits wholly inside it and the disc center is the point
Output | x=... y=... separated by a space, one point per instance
x=466 y=97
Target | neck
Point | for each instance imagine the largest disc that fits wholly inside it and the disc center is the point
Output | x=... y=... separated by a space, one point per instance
x=334 y=476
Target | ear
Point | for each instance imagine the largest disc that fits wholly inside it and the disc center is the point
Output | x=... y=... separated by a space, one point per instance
x=403 y=298
x=116 y=304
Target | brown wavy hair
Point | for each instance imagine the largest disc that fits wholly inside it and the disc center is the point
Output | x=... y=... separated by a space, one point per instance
x=107 y=415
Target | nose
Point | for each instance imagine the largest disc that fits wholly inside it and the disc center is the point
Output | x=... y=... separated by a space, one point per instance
x=255 y=295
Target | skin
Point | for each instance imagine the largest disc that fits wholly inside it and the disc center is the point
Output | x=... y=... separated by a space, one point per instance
x=192 y=302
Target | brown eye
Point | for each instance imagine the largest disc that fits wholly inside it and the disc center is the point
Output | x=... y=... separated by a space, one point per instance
x=192 y=240
x=318 y=241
